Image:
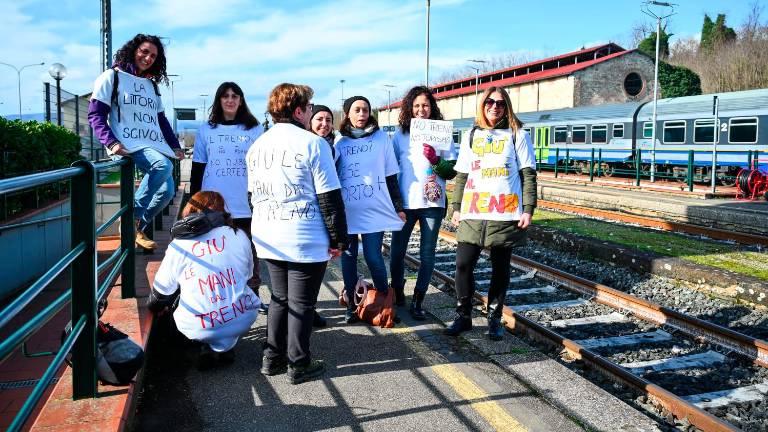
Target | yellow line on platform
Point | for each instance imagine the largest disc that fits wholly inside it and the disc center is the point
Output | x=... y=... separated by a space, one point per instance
x=491 y=411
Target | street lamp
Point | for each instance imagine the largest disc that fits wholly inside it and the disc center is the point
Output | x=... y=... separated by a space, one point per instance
x=342 y=93
x=389 y=108
x=18 y=75
x=477 y=76
x=646 y=8
x=204 y=107
x=173 y=99
x=58 y=72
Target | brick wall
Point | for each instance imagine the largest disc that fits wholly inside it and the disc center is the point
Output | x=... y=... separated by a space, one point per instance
x=604 y=82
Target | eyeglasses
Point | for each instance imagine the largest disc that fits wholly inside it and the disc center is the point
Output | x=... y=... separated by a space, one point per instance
x=499 y=103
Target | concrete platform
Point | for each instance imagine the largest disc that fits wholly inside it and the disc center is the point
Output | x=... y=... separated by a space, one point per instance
x=729 y=214
x=407 y=378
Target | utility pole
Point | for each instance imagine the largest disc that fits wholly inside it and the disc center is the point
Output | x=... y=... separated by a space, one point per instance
x=106 y=34
x=426 y=68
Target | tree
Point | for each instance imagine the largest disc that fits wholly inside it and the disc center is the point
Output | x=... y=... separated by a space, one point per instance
x=706 y=34
x=715 y=34
x=648 y=45
x=677 y=81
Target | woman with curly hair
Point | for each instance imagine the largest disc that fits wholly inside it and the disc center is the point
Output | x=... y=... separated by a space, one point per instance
x=127 y=116
x=423 y=172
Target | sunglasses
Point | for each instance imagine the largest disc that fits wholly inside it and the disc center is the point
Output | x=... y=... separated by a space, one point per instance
x=499 y=103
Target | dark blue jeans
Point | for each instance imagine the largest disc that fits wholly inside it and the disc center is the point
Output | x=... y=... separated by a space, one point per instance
x=429 y=227
x=373 y=258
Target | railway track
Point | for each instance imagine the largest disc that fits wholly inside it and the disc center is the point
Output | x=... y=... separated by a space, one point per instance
x=666 y=225
x=709 y=376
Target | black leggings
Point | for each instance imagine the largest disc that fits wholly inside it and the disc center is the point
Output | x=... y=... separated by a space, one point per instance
x=467 y=255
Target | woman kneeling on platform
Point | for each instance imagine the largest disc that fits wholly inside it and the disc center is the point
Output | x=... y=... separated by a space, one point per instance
x=209 y=261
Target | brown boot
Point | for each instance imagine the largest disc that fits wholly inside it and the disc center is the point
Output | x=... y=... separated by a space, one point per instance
x=145 y=242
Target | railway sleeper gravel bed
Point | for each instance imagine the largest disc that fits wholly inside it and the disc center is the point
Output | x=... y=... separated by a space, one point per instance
x=660 y=355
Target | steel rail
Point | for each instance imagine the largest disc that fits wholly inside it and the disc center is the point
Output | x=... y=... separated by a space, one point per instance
x=648 y=222
x=516 y=322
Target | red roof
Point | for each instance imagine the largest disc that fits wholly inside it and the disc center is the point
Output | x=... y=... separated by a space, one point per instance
x=527 y=76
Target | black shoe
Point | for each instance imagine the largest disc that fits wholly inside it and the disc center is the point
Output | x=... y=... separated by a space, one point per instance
x=319 y=321
x=263 y=309
x=274 y=366
x=495 y=329
x=207 y=358
x=399 y=296
x=417 y=311
x=350 y=316
x=227 y=357
x=300 y=374
x=458 y=326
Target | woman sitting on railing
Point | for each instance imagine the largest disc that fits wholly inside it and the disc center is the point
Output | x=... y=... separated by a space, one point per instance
x=205 y=273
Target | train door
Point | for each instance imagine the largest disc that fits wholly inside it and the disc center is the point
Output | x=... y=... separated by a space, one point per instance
x=542 y=144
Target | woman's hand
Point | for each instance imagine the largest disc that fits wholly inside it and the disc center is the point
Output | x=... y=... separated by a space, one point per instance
x=525 y=221
x=401 y=215
x=431 y=154
x=179 y=153
x=119 y=149
x=456 y=218
x=335 y=253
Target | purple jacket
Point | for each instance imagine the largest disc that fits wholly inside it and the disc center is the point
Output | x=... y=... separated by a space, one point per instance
x=98 y=113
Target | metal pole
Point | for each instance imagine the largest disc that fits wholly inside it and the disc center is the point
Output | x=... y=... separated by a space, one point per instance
x=342 y=92
x=58 y=101
x=715 y=136
x=426 y=69
x=127 y=230
x=47 y=87
x=655 y=101
x=106 y=34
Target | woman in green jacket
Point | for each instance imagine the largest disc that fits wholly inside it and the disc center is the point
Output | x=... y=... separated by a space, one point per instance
x=493 y=202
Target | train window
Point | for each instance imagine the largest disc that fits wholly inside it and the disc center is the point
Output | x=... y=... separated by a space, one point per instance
x=561 y=134
x=647 y=130
x=618 y=131
x=633 y=84
x=599 y=133
x=456 y=136
x=674 y=132
x=703 y=131
x=579 y=134
x=742 y=130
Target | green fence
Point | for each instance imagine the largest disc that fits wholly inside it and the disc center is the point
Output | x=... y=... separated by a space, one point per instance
x=85 y=291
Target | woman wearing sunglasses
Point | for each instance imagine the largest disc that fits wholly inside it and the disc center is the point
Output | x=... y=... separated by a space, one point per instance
x=493 y=202
x=423 y=172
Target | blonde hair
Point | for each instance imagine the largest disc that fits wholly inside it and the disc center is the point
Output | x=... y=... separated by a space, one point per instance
x=482 y=121
x=285 y=98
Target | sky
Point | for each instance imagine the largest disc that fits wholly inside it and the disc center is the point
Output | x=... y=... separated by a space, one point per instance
x=259 y=44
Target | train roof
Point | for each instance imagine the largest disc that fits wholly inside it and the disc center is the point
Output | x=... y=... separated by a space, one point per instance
x=740 y=103
x=586 y=114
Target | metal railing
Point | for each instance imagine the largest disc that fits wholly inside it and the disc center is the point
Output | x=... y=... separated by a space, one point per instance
x=85 y=291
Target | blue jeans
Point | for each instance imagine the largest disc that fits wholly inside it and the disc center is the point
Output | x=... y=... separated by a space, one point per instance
x=156 y=189
x=429 y=227
x=373 y=258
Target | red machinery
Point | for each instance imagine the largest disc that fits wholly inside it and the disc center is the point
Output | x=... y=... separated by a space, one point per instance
x=751 y=184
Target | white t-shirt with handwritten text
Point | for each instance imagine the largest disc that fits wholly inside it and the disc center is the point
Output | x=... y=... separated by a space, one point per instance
x=493 y=164
x=216 y=306
x=138 y=127
x=223 y=150
x=414 y=171
x=363 y=165
x=287 y=168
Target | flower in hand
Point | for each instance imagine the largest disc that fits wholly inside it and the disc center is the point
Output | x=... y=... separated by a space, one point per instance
x=431 y=154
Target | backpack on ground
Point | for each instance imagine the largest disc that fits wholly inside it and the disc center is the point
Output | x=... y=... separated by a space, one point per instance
x=118 y=358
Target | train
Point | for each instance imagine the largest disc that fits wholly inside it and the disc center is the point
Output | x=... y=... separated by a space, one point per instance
x=621 y=136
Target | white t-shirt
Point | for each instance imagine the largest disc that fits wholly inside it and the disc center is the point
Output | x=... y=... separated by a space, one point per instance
x=363 y=165
x=414 y=171
x=216 y=306
x=138 y=127
x=287 y=168
x=223 y=150
x=493 y=190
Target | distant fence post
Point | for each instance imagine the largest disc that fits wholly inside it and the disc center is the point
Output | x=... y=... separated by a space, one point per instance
x=47 y=90
x=638 y=163
x=557 y=159
x=128 y=230
x=689 y=177
x=84 y=280
x=592 y=166
x=599 y=162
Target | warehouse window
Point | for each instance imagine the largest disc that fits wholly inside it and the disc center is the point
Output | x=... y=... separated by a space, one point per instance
x=742 y=130
x=674 y=132
x=561 y=134
x=579 y=134
x=633 y=84
x=599 y=133
x=703 y=131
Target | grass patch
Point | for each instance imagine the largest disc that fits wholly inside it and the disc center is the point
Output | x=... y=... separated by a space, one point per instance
x=710 y=253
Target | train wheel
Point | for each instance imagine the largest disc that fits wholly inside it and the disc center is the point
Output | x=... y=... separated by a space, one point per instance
x=728 y=178
x=606 y=169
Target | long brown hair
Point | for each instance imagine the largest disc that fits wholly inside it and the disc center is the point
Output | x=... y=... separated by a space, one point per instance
x=406 y=108
x=243 y=115
x=208 y=200
x=509 y=115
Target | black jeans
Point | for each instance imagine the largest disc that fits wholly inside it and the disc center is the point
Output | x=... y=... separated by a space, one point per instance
x=255 y=281
x=292 y=309
x=467 y=255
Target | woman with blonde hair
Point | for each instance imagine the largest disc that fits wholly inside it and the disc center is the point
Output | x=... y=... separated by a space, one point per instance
x=207 y=266
x=493 y=203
